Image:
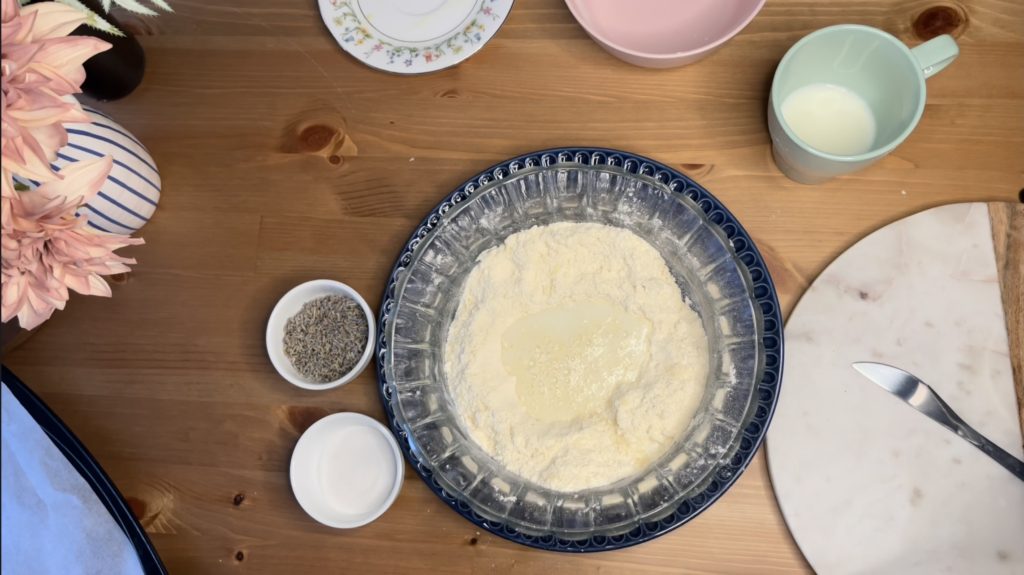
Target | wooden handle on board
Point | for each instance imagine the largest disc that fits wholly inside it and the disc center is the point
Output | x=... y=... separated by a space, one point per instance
x=1008 y=238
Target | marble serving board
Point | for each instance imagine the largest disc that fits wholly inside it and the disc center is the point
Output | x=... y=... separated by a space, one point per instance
x=867 y=484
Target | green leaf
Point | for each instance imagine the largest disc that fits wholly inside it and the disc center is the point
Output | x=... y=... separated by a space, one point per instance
x=92 y=19
x=99 y=23
x=135 y=6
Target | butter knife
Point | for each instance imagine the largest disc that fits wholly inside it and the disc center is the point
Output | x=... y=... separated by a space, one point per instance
x=923 y=398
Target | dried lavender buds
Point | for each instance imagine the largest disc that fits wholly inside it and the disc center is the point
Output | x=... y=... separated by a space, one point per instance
x=326 y=338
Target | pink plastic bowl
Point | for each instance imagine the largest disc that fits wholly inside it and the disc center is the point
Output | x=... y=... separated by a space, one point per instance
x=663 y=33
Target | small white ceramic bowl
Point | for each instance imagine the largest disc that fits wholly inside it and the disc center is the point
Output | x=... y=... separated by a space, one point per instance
x=663 y=33
x=346 y=470
x=290 y=305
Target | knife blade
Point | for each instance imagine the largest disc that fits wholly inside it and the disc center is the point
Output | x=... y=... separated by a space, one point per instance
x=923 y=398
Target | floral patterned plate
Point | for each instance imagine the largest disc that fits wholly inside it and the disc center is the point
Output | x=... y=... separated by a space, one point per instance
x=413 y=36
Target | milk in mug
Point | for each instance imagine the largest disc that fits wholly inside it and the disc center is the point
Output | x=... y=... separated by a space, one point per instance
x=831 y=119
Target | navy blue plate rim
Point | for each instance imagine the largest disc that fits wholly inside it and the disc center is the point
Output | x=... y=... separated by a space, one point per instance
x=766 y=394
x=85 y=464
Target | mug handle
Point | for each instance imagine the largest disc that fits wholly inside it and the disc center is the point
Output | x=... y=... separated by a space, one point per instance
x=935 y=54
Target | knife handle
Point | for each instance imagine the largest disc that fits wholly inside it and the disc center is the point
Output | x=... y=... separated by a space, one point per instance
x=952 y=421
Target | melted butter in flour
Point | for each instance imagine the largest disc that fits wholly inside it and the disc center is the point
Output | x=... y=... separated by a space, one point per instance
x=568 y=361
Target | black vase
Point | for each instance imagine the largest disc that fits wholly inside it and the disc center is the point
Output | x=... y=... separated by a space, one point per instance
x=113 y=74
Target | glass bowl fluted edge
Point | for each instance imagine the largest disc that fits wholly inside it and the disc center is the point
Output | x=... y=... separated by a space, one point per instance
x=766 y=392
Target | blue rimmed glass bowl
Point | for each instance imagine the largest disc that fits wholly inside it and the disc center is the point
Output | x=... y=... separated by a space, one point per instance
x=716 y=266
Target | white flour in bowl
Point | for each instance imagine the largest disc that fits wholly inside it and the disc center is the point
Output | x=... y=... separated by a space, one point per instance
x=572 y=357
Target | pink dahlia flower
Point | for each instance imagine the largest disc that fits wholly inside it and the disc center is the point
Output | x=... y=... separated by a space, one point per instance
x=41 y=67
x=46 y=248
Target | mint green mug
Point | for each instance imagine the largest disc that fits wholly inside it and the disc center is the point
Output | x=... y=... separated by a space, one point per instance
x=845 y=96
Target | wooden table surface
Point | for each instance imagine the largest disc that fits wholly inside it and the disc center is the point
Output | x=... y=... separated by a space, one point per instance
x=283 y=160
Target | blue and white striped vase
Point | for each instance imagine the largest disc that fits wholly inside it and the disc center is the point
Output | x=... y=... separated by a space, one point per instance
x=128 y=198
